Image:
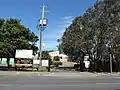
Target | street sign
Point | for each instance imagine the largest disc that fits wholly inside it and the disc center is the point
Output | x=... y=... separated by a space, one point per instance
x=87 y=64
x=86 y=58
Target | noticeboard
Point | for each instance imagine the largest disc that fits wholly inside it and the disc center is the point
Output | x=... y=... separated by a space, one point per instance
x=24 y=54
x=12 y=62
x=45 y=63
x=4 y=61
x=36 y=62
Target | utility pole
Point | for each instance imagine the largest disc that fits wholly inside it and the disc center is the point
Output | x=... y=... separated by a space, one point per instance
x=41 y=27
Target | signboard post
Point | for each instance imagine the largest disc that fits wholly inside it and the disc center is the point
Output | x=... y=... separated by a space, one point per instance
x=46 y=63
x=87 y=63
x=36 y=62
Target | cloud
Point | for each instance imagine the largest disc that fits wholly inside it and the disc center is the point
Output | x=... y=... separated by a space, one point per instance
x=59 y=29
x=66 y=21
x=67 y=17
x=56 y=32
x=43 y=45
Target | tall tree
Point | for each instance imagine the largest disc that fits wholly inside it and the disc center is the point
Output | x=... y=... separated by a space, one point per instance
x=96 y=33
x=14 y=35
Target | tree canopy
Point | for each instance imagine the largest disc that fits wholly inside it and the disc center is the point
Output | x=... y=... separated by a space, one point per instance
x=96 y=33
x=14 y=35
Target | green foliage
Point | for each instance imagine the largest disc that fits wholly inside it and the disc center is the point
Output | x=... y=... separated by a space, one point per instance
x=14 y=35
x=45 y=55
x=91 y=33
x=73 y=40
x=56 y=63
x=56 y=58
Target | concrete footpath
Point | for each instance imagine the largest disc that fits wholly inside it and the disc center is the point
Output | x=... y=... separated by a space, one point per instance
x=14 y=73
x=58 y=74
x=82 y=74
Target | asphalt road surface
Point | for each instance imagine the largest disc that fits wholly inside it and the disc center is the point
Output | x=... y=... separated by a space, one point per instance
x=27 y=82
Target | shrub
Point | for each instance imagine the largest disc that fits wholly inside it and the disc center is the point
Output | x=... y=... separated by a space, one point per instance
x=56 y=63
x=56 y=58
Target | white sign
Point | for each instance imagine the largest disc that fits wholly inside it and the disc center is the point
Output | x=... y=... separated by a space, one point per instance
x=87 y=64
x=36 y=62
x=45 y=63
x=24 y=54
x=86 y=58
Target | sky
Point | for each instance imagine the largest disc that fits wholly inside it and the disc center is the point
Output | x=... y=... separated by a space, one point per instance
x=59 y=13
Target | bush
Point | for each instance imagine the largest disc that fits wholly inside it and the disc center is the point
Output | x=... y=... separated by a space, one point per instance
x=56 y=63
x=56 y=58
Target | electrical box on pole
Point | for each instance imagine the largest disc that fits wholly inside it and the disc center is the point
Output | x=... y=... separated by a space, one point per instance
x=43 y=22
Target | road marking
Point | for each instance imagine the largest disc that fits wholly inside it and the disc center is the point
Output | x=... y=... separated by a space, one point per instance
x=107 y=83
x=17 y=72
x=37 y=85
x=117 y=77
x=38 y=74
x=6 y=85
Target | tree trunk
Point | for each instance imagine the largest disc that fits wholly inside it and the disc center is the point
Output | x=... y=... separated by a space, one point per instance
x=8 y=59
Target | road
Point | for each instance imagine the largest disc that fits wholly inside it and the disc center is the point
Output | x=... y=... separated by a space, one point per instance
x=34 y=82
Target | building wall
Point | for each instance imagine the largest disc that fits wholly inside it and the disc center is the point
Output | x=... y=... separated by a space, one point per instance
x=63 y=58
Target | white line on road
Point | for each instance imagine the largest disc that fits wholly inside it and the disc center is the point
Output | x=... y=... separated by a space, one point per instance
x=117 y=77
x=107 y=83
x=44 y=85
x=39 y=85
x=6 y=85
x=57 y=85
